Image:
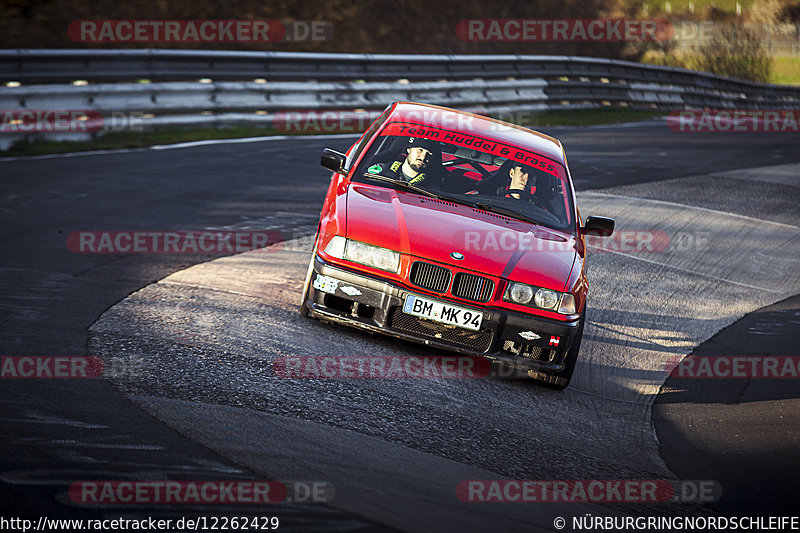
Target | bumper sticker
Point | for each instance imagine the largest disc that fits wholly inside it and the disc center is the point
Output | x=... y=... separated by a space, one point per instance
x=326 y=284
x=350 y=291
x=529 y=335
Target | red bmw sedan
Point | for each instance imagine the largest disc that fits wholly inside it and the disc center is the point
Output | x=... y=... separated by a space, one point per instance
x=457 y=231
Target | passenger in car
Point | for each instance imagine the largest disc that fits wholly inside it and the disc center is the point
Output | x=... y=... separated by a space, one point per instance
x=518 y=175
x=511 y=176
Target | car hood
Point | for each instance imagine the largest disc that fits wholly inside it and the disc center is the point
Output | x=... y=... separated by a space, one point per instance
x=434 y=229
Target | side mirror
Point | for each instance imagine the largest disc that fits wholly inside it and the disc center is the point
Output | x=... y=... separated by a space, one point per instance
x=333 y=161
x=600 y=226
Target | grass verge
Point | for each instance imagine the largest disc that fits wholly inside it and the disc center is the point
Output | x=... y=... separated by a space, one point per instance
x=785 y=70
x=118 y=140
x=588 y=117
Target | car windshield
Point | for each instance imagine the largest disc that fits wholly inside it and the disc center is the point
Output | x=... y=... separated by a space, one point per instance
x=471 y=170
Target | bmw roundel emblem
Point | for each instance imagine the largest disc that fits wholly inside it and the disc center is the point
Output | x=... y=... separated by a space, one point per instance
x=458 y=256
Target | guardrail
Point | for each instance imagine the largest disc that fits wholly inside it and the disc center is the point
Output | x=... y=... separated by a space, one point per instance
x=225 y=87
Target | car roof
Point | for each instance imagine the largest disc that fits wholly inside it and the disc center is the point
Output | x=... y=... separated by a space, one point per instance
x=486 y=127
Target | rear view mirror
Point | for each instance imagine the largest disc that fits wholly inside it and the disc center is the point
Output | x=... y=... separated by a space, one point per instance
x=600 y=226
x=333 y=161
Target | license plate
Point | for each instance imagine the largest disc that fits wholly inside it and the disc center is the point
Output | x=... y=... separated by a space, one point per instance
x=442 y=312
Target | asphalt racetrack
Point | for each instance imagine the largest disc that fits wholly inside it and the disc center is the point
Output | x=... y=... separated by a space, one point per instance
x=188 y=342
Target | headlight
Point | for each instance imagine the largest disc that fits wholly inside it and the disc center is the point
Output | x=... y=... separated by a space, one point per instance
x=385 y=259
x=373 y=256
x=550 y=300
x=358 y=252
x=546 y=299
x=520 y=293
x=366 y=254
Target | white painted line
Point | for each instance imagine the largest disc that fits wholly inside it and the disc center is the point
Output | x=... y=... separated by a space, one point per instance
x=784 y=259
x=637 y=124
x=191 y=144
x=243 y=140
x=54 y=421
x=287 y=213
x=72 y=154
x=676 y=204
x=655 y=121
x=788 y=174
x=209 y=142
x=688 y=270
x=601 y=325
x=572 y=388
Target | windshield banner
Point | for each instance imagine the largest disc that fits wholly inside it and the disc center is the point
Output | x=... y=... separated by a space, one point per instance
x=488 y=146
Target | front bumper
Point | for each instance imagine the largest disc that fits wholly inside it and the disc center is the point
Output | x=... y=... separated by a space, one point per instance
x=376 y=305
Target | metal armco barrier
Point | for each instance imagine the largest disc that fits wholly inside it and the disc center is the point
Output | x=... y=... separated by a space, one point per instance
x=249 y=87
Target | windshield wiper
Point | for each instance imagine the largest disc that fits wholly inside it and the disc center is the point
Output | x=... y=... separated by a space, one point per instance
x=403 y=185
x=506 y=211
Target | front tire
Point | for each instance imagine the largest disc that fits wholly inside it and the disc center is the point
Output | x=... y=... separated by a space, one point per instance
x=303 y=308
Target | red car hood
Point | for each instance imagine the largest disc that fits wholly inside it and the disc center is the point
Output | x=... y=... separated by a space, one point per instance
x=433 y=229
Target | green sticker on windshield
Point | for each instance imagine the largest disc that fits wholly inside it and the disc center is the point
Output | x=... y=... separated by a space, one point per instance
x=375 y=169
